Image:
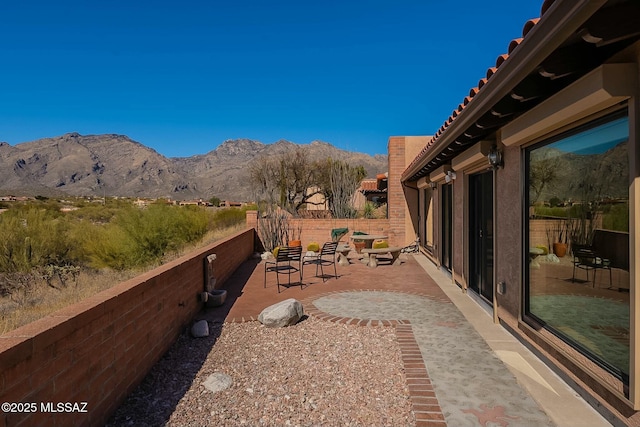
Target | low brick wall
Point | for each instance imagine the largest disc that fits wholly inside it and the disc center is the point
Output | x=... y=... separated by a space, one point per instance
x=98 y=351
x=319 y=230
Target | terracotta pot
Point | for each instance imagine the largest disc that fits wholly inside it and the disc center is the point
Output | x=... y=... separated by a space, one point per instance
x=359 y=246
x=293 y=243
x=560 y=249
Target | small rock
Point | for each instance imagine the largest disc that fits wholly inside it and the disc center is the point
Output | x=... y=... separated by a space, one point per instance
x=200 y=329
x=284 y=313
x=218 y=382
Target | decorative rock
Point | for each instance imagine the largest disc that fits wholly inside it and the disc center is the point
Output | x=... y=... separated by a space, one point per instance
x=284 y=313
x=217 y=382
x=200 y=329
x=266 y=255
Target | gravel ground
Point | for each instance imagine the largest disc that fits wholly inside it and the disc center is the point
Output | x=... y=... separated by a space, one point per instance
x=312 y=374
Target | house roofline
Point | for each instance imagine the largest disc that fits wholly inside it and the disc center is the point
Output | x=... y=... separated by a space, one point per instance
x=559 y=22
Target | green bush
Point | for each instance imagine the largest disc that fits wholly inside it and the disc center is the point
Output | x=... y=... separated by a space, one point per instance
x=616 y=218
x=33 y=237
x=118 y=237
x=229 y=217
x=138 y=237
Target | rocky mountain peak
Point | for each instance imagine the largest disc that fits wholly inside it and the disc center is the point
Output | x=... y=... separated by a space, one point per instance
x=115 y=165
x=237 y=146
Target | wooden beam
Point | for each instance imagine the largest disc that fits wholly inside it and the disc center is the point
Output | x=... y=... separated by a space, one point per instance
x=612 y=24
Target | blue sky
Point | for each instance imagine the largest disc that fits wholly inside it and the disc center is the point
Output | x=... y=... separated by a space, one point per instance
x=182 y=77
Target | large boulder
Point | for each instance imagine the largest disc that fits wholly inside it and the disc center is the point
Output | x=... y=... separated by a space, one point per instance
x=284 y=313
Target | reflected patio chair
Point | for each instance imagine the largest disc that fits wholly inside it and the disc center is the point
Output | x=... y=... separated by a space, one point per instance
x=586 y=259
x=287 y=261
x=327 y=256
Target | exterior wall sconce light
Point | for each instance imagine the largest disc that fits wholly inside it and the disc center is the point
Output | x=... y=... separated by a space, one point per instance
x=495 y=158
x=433 y=185
x=450 y=176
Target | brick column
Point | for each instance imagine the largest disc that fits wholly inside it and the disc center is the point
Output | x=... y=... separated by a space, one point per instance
x=252 y=219
x=395 y=194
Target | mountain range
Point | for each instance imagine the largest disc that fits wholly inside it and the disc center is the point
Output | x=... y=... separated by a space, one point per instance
x=115 y=165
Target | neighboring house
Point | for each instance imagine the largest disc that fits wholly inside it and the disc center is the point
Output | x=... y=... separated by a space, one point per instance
x=372 y=190
x=557 y=118
x=198 y=202
x=316 y=201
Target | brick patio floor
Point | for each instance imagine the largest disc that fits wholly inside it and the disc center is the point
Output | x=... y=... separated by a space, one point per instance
x=247 y=296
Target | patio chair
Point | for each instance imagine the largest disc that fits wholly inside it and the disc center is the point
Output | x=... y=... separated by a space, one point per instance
x=587 y=259
x=287 y=261
x=327 y=256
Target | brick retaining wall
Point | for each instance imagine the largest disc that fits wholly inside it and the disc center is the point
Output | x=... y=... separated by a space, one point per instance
x=98 y=350
x=319 y=230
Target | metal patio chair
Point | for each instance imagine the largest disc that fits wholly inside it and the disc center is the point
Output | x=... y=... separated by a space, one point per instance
x=287 y=261
x=327 y=256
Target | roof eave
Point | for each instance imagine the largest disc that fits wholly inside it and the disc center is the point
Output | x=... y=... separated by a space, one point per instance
x=560 y=21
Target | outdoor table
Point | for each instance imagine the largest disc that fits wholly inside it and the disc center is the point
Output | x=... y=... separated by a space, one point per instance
x=368 y=239
x=368 y=243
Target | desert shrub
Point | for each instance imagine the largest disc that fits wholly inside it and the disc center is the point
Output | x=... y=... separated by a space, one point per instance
x=138 y=237
x=369 y=210
x=109 y=246
x=616 y=218
x=95 y=213
x=33 y=237
x=229 y=217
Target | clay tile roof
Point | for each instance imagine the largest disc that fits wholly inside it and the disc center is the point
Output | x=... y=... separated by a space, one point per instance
x=500 y=59
x=545 y=6
x=514 y=44
x=474 y=91
x=369 y=184
x=529 y=25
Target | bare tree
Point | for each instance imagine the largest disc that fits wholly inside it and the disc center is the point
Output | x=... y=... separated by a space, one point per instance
x=543 y=170
x=288 y=180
